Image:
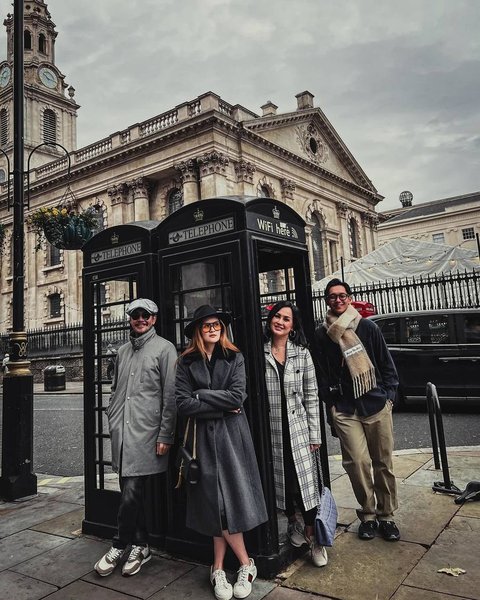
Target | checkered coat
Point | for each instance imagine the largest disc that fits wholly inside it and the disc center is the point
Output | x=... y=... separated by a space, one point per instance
x=303 y=410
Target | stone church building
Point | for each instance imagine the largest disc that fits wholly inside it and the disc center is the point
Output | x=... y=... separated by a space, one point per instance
x=202 y=148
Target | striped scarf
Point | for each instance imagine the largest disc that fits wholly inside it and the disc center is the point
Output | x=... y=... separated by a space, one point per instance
x=341 y=330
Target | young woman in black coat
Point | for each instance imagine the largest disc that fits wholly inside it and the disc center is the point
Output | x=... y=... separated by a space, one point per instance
x=228 y=499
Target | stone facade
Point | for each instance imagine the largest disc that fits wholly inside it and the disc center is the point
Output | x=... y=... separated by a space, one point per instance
x=454 y=221
x=200 y=149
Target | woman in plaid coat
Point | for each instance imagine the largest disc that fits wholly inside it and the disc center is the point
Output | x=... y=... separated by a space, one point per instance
x=294 y=423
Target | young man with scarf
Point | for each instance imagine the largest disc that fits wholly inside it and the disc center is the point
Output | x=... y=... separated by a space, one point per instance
x=359 y=390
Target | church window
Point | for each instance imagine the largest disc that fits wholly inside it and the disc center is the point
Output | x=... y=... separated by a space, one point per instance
x=27 y=40
x=55 y=305
x=3 y=127
x=49 y=126
x=313 y=145
x=175 y=200
x=354 y=237
x=468 y=233
x=42 y=44
x=318 y=243
x=54 y=256
x=438 y=238
x=264 y=192
x=3 y=175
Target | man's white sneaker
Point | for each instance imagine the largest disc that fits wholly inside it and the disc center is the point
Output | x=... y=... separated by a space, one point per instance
x=138 y=556
x=246 y=576
x=295 y=534
x=318 y=554
x=221 y=587
x=106 y=565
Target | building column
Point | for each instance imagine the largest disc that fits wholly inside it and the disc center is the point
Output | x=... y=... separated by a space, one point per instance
x=141 y=206
x=244 y=171
x=366 y=225
x=213 y=174
x=189 y=175
x=308 y=241
x=118 y=199
x=342 y=208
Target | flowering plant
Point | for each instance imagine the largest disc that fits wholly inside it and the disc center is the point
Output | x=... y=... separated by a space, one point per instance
x=62 y=226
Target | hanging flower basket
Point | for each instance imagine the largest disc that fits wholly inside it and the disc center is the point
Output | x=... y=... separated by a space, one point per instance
x=62 y=227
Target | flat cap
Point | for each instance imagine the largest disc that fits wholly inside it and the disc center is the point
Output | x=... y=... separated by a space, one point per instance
x=145 y=303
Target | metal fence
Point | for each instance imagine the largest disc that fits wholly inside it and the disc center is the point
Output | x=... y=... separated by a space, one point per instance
x=446 y=290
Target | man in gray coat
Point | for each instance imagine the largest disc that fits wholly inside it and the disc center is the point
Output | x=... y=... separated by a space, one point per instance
x=141 y=417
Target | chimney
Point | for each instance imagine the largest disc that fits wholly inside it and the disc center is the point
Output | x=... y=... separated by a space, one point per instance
x=304 y=100
x=269 y=109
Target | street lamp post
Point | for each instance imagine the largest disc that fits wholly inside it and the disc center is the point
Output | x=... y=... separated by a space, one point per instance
x=17 y=479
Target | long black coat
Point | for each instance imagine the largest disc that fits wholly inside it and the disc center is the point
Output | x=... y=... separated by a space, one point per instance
x=224 y=446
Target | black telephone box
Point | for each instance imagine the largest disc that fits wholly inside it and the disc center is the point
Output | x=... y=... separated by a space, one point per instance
x=120 y=264
x=237 y=254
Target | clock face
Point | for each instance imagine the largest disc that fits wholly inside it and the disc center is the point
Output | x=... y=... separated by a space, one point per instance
x=48 y=77
x=5 y=76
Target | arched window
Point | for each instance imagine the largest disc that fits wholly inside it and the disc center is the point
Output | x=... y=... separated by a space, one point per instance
x=54 y=256
x=175 y=200
x=263 y=192
x=354 y=237
x=3 y=175
x=55 y=305
x=49 y=126
x=3 y=127
x=27 y=40
x=42 y=44
x=318 y=243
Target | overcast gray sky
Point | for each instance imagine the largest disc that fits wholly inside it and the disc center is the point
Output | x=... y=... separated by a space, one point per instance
x=399 y=80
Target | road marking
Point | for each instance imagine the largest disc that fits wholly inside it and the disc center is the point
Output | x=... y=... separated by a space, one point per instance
x=63 y=480
x=44 y=481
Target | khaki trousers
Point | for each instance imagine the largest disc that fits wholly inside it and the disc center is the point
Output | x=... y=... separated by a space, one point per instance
x=367 y=447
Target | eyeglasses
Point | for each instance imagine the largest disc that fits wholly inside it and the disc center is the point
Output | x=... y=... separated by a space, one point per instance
x=214 y=326
x=140 y=314
x=333 y=297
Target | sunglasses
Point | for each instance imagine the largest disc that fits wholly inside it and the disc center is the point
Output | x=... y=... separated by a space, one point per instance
x=333 y=297
x=215 y=326
x=140 y=314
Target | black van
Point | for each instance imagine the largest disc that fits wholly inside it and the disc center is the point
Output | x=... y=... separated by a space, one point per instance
x=441 y=346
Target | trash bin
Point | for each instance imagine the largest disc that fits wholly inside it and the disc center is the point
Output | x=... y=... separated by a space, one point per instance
x=54 y=378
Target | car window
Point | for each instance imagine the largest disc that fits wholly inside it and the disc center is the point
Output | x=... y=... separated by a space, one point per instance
x=472 y=329
x=390 y=329
x=428 y=330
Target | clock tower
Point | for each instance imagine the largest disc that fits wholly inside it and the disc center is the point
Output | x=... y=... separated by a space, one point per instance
x=50 y=108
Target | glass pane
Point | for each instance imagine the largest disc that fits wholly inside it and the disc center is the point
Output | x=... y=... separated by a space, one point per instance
x=198 y=275
x=413 y=330
x=472 y=329
x=390 y=329
x=438 y=330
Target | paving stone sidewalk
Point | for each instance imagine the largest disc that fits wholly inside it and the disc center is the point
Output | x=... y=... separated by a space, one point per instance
x=43 y=553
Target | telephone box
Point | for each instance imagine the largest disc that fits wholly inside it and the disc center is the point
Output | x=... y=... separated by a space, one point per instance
x=238 y=254
x=120 y=264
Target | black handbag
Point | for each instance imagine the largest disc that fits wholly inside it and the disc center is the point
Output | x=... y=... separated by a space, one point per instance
x=326 y=519
x=186 y=462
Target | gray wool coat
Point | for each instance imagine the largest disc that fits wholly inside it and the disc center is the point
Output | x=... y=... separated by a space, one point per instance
x=303 y=411
x=141 y=411
x=229 y=470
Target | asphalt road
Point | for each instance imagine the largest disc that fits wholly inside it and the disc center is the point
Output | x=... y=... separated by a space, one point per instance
x=58 y=432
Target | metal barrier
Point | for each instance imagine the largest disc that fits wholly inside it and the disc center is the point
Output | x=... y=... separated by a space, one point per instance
x=438 y=442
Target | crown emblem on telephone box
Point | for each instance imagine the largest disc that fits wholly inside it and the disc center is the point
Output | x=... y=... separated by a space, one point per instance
x=114 y=238
x=275 y=212
x=198 y=215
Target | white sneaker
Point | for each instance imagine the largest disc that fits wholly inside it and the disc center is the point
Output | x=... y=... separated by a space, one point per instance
x=138 y=556
x=106 y=565
x=318 y=554
x=221 y=587
x=295 y=534
x=246 y=576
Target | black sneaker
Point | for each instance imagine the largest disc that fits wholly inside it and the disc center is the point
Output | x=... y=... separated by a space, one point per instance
x=367 y=529
x=389 y=531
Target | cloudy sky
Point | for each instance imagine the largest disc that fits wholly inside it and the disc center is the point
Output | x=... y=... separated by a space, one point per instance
x=399 y=80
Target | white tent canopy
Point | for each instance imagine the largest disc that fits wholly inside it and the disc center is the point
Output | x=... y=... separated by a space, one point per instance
x=405 y=258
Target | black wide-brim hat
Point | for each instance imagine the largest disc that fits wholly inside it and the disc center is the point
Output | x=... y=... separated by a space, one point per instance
x=203 y=312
